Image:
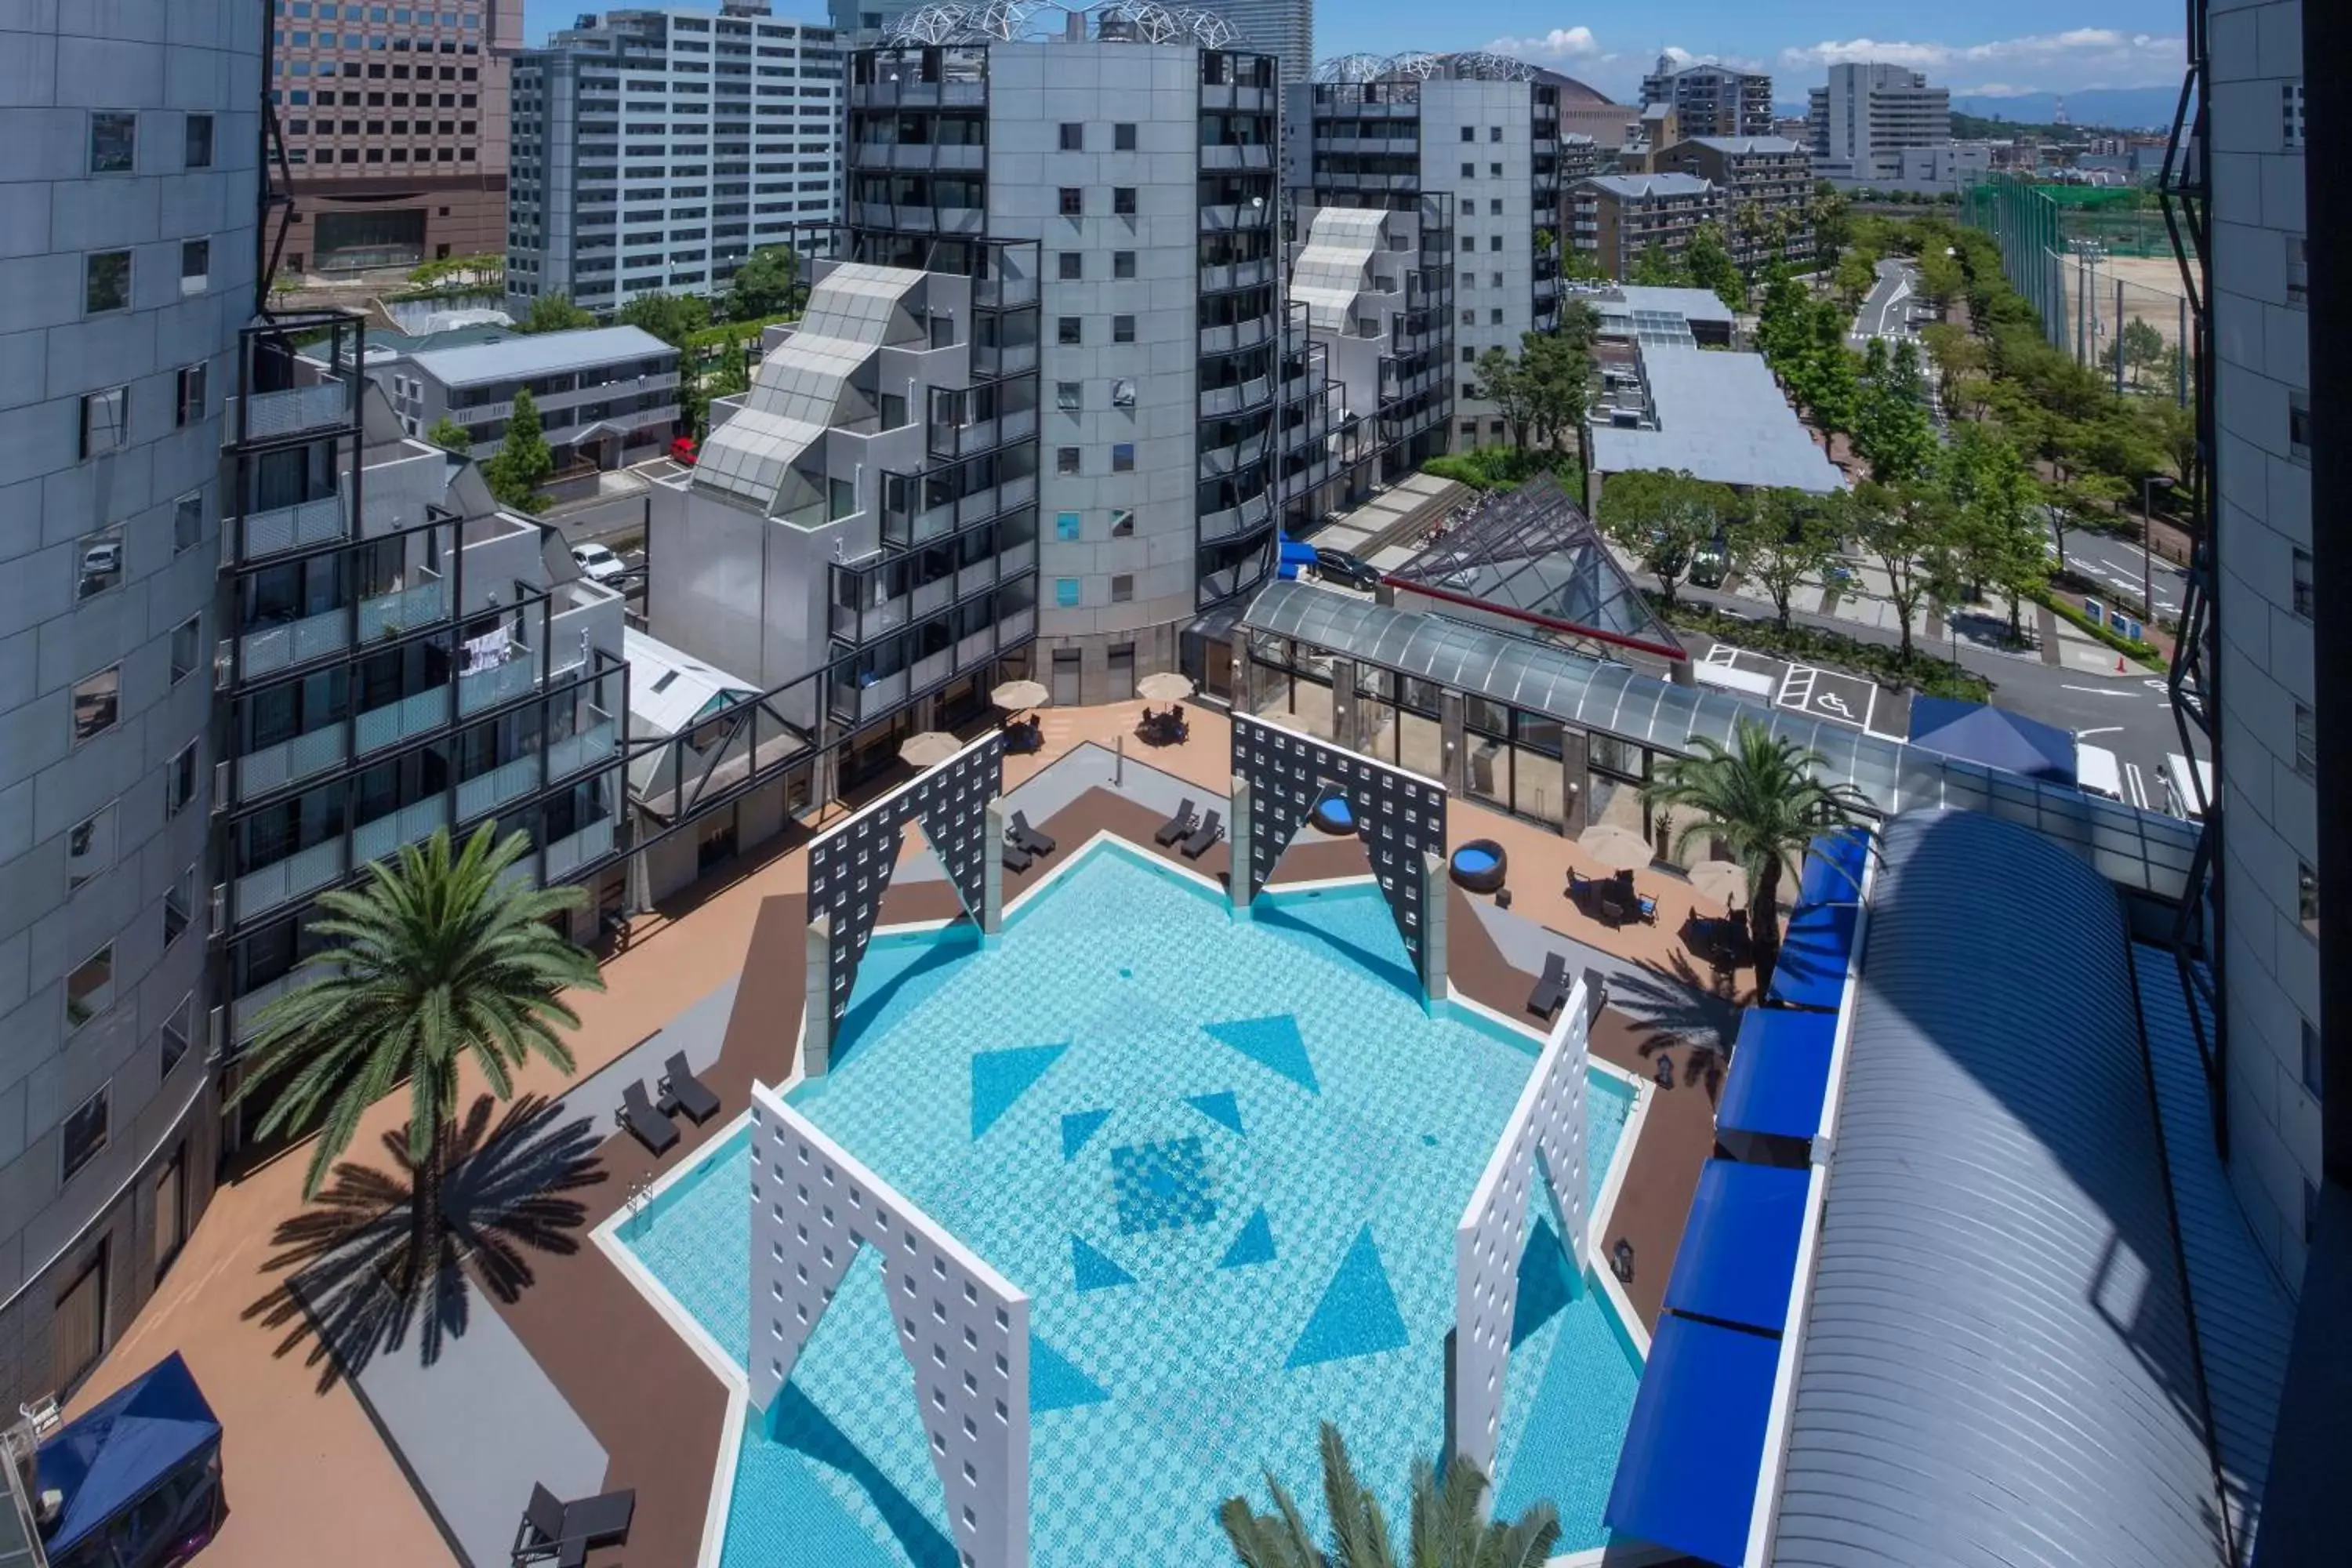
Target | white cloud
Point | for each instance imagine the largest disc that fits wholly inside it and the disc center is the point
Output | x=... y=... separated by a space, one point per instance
x=2070 y=58
x=1559 y=44
x=1681 y=57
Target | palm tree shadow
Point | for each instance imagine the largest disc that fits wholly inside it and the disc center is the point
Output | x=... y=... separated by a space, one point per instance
x=362 y=1276
x=1672 y=1005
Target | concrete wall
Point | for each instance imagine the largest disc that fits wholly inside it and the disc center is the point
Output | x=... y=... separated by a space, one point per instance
x=1501 y=242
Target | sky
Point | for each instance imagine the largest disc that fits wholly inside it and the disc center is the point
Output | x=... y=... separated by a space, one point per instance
x=1995 y=48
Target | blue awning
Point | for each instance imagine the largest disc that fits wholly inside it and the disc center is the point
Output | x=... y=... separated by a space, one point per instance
x=109 y=1458
x=1779 y=1073
x=1694 y=1450
x=1813 y=957
x=1980 y=732
x=1833 y=873
x=1738 y=1252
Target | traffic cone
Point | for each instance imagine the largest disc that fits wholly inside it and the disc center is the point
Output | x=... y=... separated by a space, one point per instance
x=2119 y=664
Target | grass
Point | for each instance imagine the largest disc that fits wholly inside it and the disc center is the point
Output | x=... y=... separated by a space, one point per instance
x=1922 y=672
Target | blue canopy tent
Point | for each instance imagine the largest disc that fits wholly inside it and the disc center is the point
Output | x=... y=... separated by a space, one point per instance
x=140 y=1474
x=1738 y=1252
x=1704 y=1399
x=1834 y=867
x=1779 y=1073
x=1293 y=556
x=1980 y=732
x=1814 y=956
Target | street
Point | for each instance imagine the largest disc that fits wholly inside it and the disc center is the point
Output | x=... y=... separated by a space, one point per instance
x=1887 y=312
x=2117 y=563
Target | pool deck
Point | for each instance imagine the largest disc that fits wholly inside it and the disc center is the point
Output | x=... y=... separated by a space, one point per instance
x=304 y=1467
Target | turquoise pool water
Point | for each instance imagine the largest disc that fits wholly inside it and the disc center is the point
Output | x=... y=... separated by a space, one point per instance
x=1226 y=1160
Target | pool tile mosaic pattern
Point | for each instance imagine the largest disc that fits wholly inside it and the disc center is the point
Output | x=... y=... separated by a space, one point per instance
x=1226 y=1160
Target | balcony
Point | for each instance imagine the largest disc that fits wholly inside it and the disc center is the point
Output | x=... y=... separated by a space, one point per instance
x=1221 y=400
x=373 y=841
x=485 y=792
x=861 y=704
x=405 y=609
x=1250 y=514
x=290 y=760
x=1236 y=274
x=591 y=843
x=1227 y=155
x=499 y=683
x=403 y=721
x=281 y=882
x=993 y=362
x=577 y=753
x=331 y=404
x=1226 y=340
x=245 y=1012
x=319 y=521
x=294 y=642
x=1221 y=216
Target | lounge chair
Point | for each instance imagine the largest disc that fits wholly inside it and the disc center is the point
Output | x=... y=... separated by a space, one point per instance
x=1028 y=837
x=1015 y=857
x=1646 y=907
x=650 y=1127
x=682 y=1090
x=1581 y=890
x=1179 y=825
x=565 y=1531
x=1551 y=989
x=1211 y=828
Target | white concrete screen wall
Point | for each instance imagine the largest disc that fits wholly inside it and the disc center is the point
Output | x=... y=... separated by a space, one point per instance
x=964 y=1328
x=1539 y=1157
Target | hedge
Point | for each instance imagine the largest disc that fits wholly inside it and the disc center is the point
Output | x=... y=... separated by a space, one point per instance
x=1813 y=644
x=2130 y=647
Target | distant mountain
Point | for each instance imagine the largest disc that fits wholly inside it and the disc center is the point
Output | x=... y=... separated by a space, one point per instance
x=2120 y=108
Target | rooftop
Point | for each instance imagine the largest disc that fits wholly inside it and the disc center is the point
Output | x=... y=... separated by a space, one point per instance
x=515 y=356
x=1747 y=145
x=1649 y=187
x=1634 y=299
x=1721 y=418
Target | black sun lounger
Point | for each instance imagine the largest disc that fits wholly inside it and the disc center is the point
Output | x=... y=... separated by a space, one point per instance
x=649 y=1126
x=565 y=1531
x=1551 y=989
x=1015 y=857
x=1211 y=828
x=1028 y=837
x=1177 y=826
x=689 y=1093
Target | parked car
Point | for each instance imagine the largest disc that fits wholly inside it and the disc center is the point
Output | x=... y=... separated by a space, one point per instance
x=1347 y=570
x=1711 y=563
x=600 y=563
x=1838 y=575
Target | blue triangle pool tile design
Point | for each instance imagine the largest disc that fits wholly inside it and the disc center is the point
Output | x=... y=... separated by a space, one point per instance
x=1076 y=1128
x=1000 y=1078
x=1221 y=1108
x=1358 y=1315
x=1254 y=1245
x=1056 y=1384
x=1273 y=1043
x=1544 y=1283
x=1095 y=1270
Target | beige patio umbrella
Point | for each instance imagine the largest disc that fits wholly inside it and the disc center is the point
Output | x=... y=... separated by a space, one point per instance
x=1165 y=687
x=1720 y=881
x=1015 y=694
x=1619 y=849
x=929 y=750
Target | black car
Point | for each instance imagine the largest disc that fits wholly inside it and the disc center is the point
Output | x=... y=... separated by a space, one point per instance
x=1347 y=570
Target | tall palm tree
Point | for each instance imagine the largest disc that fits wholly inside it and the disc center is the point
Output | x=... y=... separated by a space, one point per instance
x=1766 y=801
x=1446 y=1531
x=432 y=962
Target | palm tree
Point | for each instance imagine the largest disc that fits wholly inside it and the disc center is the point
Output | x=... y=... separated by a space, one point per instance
x=433 y=961
x=1446 y=1527
x=1765 y=799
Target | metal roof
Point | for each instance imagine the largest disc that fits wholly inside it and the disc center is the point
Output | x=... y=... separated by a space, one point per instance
x=519 y=356
x=2135 y=849
x=1641 y=187
x=1721 y=416
x=1996 y=1363
x=1741 y=146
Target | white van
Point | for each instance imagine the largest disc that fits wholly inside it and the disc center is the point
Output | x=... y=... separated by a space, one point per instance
x=2096 y=770
x=2180 y=793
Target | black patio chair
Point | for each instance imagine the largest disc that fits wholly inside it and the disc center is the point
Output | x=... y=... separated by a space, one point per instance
x=565 y=1532
x=1028 y=837
x=649 y=1126
x=1551 y=989
x=1015 y=857
x=1211 y=828
x=680 y=1089
x=1178 y=826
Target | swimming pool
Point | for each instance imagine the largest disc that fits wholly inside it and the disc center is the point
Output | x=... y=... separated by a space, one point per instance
x=1225 y=1158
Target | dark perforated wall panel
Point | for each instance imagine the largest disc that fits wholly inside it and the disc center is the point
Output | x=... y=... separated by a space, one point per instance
x=1399 y=816
x=850 y=867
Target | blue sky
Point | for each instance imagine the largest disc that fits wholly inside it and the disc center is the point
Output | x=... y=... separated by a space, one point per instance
x=1982 y=45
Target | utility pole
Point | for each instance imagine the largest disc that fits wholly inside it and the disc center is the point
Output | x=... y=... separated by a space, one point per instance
x=2147 y=547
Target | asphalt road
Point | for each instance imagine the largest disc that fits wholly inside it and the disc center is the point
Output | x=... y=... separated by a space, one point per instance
x=1887 y=313
x=2117 y=563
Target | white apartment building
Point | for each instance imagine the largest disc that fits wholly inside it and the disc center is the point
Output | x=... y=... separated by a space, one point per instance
x=654 y=151
x=1867 y=114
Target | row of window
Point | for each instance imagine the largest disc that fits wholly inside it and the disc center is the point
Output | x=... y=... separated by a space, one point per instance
x=88 y=1127
x=1073 y=202
x=1069 y=462
x=333 y=11
x=1069 y=527
x=1068 y=595
x=99 y=566
x=375 y=72
x=355 y=41
x=1070 y=397
x=379 y=155
x=399 y=99
x=379 y=127
x=114 y=142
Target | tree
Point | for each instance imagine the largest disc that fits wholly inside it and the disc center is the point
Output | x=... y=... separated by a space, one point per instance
x=1709 y=262
x=460 y=273
x=1555 y=375
x=554 y=314
x=1447 y=1527
x=1782 y=539
x=522 y=461
x=1503 y=383
x=1856 y=275
x=1765 y=800
x=1656 y=268
x=2143 y=347
x=672 y=318
x=1664 y=518
x=767 y=284
x=1892 y=428
x=1831 y=216
x=435 y=962
x=1903 y=528
x=1940 y=278
x=450 y=436
x=1996 y=539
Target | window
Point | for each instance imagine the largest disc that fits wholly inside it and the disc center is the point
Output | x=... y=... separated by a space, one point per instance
x=1494 y=242
x=1068 y=396
x=1122 y=329
x=90 y=988
x=2298 y=272
x=2307 y=892
x=106 y=282
x=97 y=704
x=1073 y=136
x=89 y=847
x=1494 y=133
x=1122 y=137
x=1068 y=330
x=195 y=266
x=1122 y=201
x=1469 y=133
x=1122 y=394
x=1469 y=318
x=2306 y=741
x=1122 y=523
x=1469 y=171
x=1468 y=278
x=1494 y=429
x=1495 y=317
x=1122 y=589
x=1469 y=354
x=2313 y=1071
x=180 y=782
x=113 y=140
x=1074 y=201
x=179 y=906
x=1122 y=264
x=2298 y=426
x=1071 y=265
x=1495 y=206
x=191 y=397
x=170 y=1211
x=1495 y=170
x=173 y=1035
x=187 y=643
x=1065 y=461
x=2291 y=116
x=97 y=563
x=200 y=141
x=1469 y=388
x=2304 y=595
x=1065 y=593
x=105 y=421
x=1469 y=242
x=1065 y=526
x=84 y=1134
x=187 y=523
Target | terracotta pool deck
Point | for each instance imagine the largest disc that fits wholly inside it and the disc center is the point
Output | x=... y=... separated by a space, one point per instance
x=307 y=1466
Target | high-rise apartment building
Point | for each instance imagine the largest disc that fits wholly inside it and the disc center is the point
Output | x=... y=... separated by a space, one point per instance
x=1712 y=100
x=1767 y=184
x=394 y=124
x=1867 y=114
x=654 y=151
x=1283 y=28
x=865 y=21
x=137 y=145
x=1616 y=219
x=1481 y=134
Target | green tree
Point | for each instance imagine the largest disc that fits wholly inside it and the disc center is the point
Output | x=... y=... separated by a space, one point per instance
x=1831 y=216
x=1655 y=268
x=1893 y=429
x=450 y=436
x=1995 y=535
x=486 y=272
x=2143 y=347
x=434 y=962
x=1709 y=262
x=1782 y=539
x=522 y=462
x=1940 y=278
x=1504 y=383
x=672 y=318
x=767 y=284
x=1856 y=275
x=1554 y=373
x=1447 y=1527
x=1664 y=518
x=554 y=314
x=1765 y=798
x=1903 y=528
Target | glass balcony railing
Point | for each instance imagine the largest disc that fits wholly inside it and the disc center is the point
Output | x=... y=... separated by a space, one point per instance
x=284 y=881
x=575 y=753
x=397 y=722
x=485 y=792
x=321 y=408
x=290 y=760
x=499 y=683
x=375 y=840
x=319 y=521
x=592 y=843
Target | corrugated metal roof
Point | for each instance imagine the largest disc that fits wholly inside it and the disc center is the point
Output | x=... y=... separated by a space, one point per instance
x=1996 y=1366
x=1642 y=187
x=1721 y=416
x=520 y=356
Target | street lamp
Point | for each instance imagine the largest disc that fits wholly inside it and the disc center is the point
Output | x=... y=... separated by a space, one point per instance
x=2147 y=547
